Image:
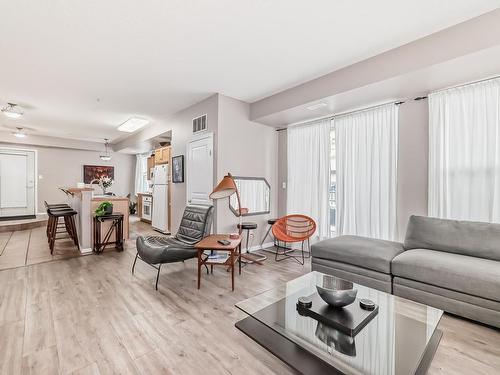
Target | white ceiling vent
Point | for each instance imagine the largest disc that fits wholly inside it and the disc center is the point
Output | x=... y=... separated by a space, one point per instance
x=199 y=124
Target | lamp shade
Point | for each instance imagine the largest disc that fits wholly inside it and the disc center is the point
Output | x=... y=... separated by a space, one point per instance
x=225 y=188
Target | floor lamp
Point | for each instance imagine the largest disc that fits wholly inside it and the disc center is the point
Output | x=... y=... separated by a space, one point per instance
x=225 y=189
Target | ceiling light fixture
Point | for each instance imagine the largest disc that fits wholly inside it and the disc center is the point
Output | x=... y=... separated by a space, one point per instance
x=316 y=106
x=133 y=124
x=12 y=111
x=106 y=156
x=19 y=133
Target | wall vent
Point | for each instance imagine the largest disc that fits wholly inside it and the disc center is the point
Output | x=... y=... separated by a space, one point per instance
x=199 y=124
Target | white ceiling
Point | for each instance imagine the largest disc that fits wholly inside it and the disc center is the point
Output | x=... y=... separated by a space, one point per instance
x=81 y=68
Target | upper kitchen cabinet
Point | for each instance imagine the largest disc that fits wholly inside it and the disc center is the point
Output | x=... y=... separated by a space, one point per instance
x=162 y=155
x=151 y=162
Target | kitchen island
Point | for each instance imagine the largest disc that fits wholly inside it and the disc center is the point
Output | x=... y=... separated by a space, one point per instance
x=85 y=202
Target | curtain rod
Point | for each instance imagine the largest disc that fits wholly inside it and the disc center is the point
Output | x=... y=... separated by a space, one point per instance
x=331 y=117
x=466 y=84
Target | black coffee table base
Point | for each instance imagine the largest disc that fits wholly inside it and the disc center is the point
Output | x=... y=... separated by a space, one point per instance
x=305 y=362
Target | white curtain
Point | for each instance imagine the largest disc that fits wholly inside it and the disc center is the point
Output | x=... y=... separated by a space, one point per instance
x=141 y=173
x=367 y=150
x=309 y=173
x=464 y=152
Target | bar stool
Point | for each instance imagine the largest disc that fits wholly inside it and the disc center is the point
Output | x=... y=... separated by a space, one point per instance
x=53 y=206
x=270 y=223
x=53 y=225
x=246 y=257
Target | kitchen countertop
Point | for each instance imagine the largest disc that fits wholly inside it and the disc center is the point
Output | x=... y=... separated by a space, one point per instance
x=150 y=194
x=108 y=198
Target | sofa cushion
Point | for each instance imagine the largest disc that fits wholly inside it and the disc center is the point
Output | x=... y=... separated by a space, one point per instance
x=470 y=275
x=359 y=251
x=460 y=237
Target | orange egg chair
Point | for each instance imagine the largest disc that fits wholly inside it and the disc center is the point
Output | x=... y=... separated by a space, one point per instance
x=293 y=229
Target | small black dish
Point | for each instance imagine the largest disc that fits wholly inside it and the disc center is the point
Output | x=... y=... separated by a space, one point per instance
x=366 y=304
x=304 y=302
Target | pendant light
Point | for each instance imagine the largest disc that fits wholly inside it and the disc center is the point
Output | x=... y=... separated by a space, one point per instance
x=106 y=156
x=12 y=111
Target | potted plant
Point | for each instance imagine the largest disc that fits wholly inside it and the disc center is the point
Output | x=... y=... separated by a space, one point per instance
x=132 y=208
x=105 y=208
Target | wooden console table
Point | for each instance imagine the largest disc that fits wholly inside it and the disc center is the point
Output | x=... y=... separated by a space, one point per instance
x=210 y=243
x=116 y=226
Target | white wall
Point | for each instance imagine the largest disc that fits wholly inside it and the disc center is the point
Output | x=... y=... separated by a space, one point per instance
x=245 y=149
x=413 y=152
x=60 y=167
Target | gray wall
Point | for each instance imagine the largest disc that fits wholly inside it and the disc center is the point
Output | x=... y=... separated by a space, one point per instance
x=182 y=131
x=413 y=152
x=245 y=149
x=282 y=172
x=60 y=167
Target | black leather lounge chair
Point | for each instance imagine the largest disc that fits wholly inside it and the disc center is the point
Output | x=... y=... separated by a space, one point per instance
x=196 y=224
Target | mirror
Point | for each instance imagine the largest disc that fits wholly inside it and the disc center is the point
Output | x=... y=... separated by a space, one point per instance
x=255 y=195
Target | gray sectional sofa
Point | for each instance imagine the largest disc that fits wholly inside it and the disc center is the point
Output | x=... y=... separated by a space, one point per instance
x=449 y=264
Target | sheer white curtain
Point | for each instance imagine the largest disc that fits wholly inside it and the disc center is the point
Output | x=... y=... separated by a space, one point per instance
x=464 y=152
x=309 y=173
x=367 y=150
x=141 y=173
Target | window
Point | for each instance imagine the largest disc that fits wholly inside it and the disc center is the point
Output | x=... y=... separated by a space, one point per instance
x=144 y=173
x=141 y=173
x=464 y=149
x=332 y=196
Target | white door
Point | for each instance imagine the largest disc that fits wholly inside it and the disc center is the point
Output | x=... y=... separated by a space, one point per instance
x=17 y=183
x=200 y=169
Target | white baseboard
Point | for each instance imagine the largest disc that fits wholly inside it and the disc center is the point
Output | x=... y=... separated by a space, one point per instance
x=86 y=251
x=258 y=247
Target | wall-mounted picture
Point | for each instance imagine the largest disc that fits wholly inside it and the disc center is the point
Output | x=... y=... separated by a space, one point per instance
x=95 y=172
x=178 y=169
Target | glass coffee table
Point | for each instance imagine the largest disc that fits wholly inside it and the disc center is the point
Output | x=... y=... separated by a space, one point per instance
x=400 y=339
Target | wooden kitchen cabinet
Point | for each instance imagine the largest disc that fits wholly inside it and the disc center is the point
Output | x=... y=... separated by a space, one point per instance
x=139 y=205
x=151 y=164
x=162 y=155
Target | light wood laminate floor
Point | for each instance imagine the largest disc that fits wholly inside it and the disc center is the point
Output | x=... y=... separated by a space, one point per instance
x=89 y=315
x=26 y=247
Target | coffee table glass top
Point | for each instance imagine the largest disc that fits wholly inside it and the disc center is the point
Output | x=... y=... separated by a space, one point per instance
x=393 y=342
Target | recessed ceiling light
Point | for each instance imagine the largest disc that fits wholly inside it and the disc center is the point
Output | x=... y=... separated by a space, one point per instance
x=19 y=133
x=12 y=111
x=316 y=106
x=133 y=124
